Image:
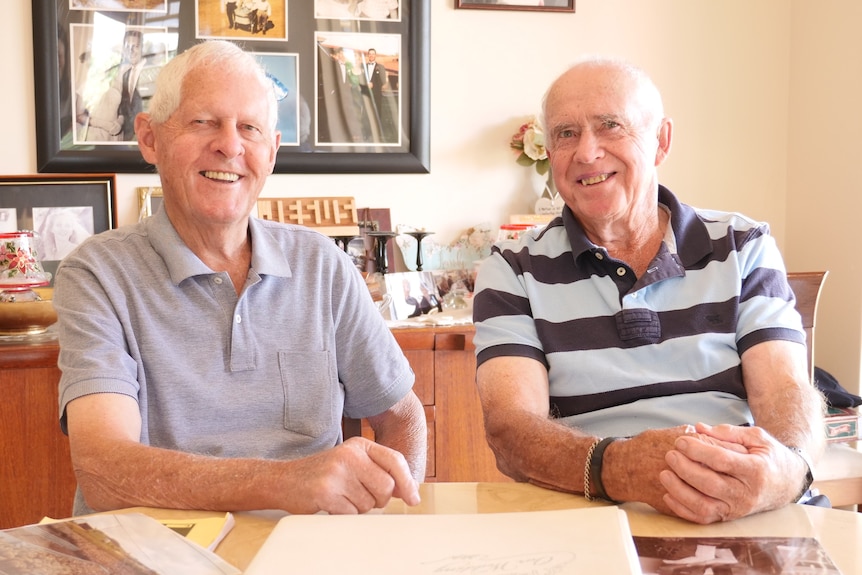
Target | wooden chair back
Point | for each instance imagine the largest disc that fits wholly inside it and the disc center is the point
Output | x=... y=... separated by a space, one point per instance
x=807 y=287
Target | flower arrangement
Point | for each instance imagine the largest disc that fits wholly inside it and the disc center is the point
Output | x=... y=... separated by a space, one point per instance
x=529 y=141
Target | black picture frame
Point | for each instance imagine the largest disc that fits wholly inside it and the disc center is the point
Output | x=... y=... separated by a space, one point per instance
x=52 y=19
x=32 y=198
x=547 y=6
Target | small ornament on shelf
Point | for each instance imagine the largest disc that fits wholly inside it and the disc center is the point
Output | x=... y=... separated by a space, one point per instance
x=529 y=142
x=549 y=203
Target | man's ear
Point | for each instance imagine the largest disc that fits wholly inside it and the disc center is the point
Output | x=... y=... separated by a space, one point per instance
x=146 y=137
x=273 y=156
x=665 y=135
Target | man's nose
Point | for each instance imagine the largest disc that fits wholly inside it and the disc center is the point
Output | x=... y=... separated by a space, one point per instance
x=228 y=140
x=589 y=147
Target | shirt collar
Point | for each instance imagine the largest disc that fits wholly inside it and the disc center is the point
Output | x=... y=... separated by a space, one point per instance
x=691 y=236
x=267 y=255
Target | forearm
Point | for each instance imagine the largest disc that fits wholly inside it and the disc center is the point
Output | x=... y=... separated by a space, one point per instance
x=796 y=420
x=404 y=429
x=535 y=449
x=782 y=400
x=129 y=474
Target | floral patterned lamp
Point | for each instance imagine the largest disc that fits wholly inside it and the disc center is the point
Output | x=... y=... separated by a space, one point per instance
x=20 y=270
x=529 y=142
x=22 y=309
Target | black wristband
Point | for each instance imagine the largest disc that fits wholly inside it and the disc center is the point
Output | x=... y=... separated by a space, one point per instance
x=596 y=467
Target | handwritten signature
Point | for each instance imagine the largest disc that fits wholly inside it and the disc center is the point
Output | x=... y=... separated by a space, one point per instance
x=546 y=563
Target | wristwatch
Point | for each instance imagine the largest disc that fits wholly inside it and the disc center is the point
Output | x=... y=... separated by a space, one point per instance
x=809 y=474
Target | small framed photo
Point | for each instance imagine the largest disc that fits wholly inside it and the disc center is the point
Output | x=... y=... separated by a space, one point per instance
x=63 y=209
x=414 y=294
x=149 y=200
x=533 y=5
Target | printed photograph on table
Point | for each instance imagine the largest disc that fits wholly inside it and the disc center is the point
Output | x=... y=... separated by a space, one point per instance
x=114 y=68
x=358 y=100
x=733 y=555
x=414 y=294
x=242 y=19
x=358 y=9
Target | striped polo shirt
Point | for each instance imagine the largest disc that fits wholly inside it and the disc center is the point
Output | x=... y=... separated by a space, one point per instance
x=626 y=354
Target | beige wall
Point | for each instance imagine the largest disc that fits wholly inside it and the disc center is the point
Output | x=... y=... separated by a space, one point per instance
x=823 y=191
x=725 y=68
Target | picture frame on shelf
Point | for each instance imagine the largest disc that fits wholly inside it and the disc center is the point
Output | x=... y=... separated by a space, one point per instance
x=80 y=204
x=529 y=5
x=149 y=200
x=79 y=52
x=414 y=294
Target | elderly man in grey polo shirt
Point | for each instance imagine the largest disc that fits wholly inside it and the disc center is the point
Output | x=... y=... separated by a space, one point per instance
x=208 y=356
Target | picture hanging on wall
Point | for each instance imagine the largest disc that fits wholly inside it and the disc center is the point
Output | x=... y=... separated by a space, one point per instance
x=534 y=5
x=96 y=63
x=63 y=210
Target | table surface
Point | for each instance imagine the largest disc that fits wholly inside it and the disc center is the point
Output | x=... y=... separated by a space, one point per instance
x=839 y=531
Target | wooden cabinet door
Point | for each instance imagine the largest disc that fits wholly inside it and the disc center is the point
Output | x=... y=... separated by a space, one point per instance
x=36 y=478
x=462 y=451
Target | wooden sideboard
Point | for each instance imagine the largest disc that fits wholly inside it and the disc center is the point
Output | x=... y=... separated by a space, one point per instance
x=444 y=361
x=36 y=477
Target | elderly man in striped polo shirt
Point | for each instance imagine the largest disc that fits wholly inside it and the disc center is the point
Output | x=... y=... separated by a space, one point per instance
x=639 y=349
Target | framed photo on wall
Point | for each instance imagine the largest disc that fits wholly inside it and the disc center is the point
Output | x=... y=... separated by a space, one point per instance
x=63 y=209
x=95 y=64
x=535 y=5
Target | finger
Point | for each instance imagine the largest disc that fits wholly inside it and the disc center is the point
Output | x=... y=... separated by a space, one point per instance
x=688 y=503
x=342 y=495
x=745 y=436
x=704 y=478
x=717 y=455
x=397 y=471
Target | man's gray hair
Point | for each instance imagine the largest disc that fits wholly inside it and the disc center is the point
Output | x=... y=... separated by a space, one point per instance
x=169 y=83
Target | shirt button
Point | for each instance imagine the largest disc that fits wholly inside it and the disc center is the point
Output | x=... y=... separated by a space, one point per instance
x=237 y=318
x=599 y=256
x=621 y=271
x=218 y=281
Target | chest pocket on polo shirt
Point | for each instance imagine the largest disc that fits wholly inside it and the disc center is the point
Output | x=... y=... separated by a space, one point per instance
x=310 y=386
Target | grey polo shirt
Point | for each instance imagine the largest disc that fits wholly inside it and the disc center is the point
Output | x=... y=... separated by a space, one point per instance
x=266 y=374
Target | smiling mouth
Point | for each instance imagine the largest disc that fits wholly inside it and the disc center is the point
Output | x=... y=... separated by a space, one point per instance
x=594 y=180
x=220 y=176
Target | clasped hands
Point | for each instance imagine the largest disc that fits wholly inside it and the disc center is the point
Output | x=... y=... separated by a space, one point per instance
x=704 y=474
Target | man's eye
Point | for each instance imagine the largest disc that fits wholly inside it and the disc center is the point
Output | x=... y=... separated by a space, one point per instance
x=567 y=134
x=611 y=124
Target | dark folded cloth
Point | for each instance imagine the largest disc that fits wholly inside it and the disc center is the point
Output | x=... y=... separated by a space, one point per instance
x=835 y=394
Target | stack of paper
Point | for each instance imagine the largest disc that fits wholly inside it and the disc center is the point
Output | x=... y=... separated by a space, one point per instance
x=568 y=542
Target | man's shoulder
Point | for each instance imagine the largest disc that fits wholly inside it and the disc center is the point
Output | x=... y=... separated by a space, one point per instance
x=734 y=219
x=110 y=239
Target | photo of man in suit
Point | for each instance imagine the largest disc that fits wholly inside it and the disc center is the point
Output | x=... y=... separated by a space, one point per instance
x=131 y=102
x=341 y=117
x=376 y=87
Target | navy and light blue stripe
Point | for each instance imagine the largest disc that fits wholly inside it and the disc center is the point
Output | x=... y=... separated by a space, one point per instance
x=625 y=354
